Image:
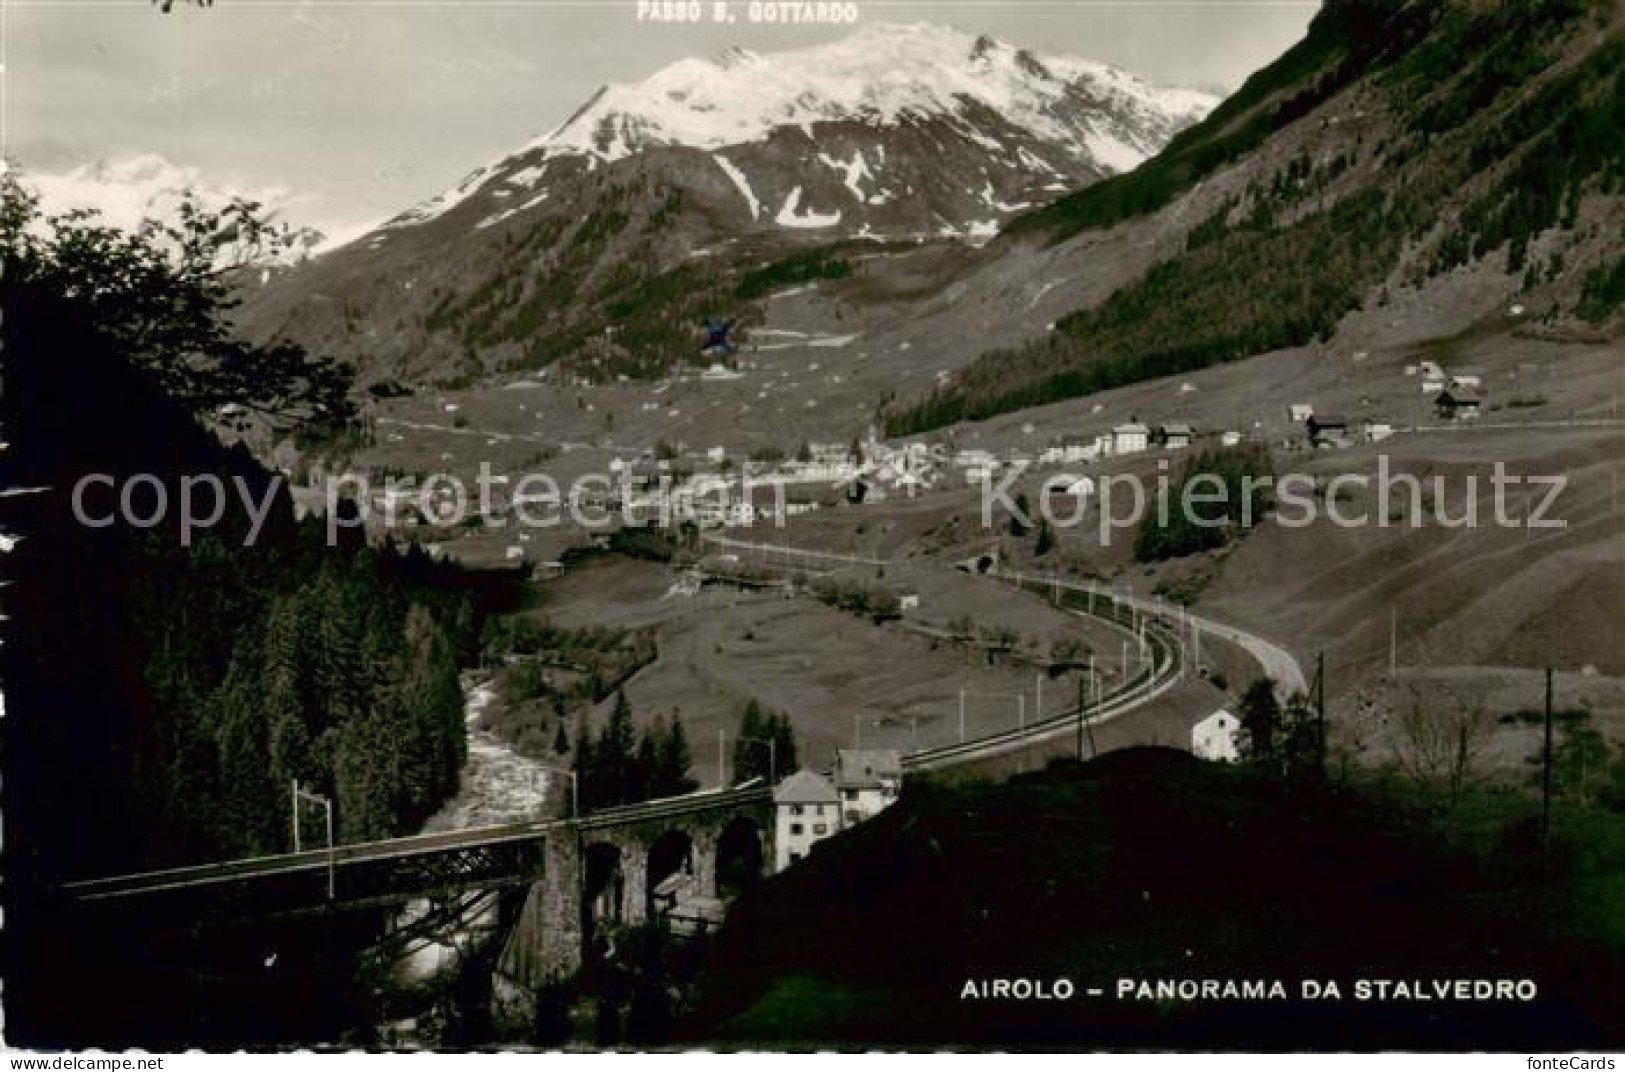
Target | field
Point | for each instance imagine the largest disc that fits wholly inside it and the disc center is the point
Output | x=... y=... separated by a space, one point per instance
x=842 y=679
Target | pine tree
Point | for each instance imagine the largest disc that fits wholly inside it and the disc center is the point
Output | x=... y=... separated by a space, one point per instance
x=750 y=760
x=586 y=765
x=613 y=754
x=674 y=761
x=1260 y=718
x=784 y=742
x=642 y=781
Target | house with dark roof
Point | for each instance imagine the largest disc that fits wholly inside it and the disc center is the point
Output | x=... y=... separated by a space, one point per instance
x=869 y=781
x=1175 y=436
x=1328 y=431
x=1458 y=404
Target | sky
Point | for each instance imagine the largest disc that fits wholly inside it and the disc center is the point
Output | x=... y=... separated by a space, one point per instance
x=344 y=112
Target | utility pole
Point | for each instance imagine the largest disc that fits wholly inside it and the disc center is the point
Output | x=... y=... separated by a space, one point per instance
x=301 y=796
x=1125 y=663
x=1021 y=710
x=328 y=805
x=857 y=729
x=1082 y=712
x=961 y=714
x=1546 y=776
x=1038 y=696
x=722 y=762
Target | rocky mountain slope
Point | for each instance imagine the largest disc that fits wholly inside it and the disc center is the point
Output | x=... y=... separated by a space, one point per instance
x=1442 y=159
x=634 y=216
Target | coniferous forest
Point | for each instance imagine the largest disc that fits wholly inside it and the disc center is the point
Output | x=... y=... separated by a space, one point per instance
x=164 y=689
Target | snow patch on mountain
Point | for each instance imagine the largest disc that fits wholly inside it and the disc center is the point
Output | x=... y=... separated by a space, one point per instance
x=790 y=214
x=528 y=176
x=443 y=203
x=740 y=181
x=852 y=171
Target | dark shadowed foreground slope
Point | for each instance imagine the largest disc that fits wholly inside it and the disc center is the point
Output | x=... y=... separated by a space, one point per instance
x=1149 y=865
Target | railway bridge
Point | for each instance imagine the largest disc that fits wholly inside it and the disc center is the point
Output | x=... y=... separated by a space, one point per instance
x=562 y=877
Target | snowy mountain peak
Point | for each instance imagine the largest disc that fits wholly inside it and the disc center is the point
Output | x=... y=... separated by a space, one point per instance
x=876 y=76
x=894 y=129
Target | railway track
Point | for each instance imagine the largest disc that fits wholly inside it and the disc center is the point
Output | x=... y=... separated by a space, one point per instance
x=1160 y=670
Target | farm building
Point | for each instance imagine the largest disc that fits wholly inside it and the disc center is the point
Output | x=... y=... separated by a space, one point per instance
x=1458 y=404
x=869 y=780
x=1328 y=432
x=1175 y=436
x=1130 y=438
x=1376 y=429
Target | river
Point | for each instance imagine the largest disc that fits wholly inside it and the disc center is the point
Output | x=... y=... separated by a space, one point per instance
x=498 y=785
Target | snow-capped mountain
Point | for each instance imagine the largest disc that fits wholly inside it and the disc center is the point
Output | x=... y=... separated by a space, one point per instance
x=125 y=191
x=893 y=133
x=976 y=129
x=880 y=76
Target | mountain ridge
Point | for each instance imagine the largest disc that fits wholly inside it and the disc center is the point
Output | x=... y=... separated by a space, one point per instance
x=1399 y=146
x=652 y=197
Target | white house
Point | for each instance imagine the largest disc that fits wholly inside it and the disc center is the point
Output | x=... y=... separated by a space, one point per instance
x=1071 y=449
x=1377 y=429
x=869 y=780
x=1215 y=737
x=1177 y=436
x=1299 y=412
x=807 y=810
x=975 y=458
x=1467 y=378
x=830 y=454
x=1130 y=438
